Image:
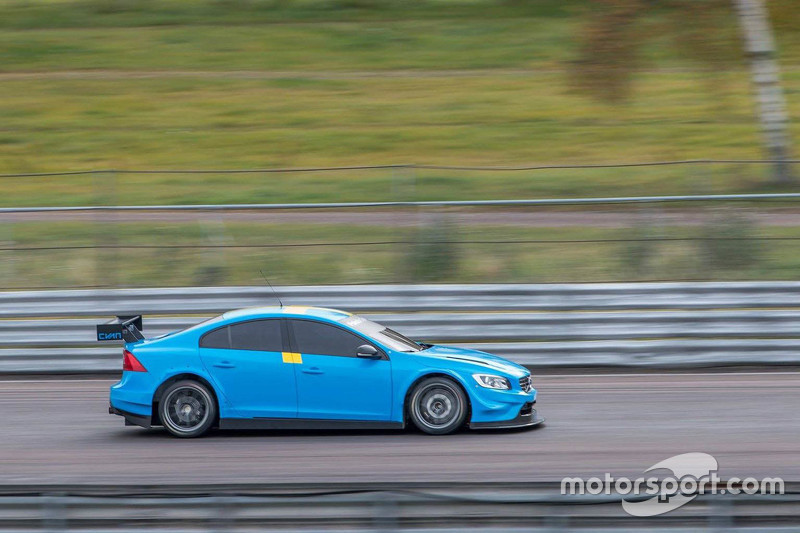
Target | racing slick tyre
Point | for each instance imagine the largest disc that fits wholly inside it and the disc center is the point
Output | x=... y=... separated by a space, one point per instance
x=438 y=406
x=187 y=409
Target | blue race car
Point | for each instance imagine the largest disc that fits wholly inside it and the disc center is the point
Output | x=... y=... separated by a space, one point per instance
x=309 y=367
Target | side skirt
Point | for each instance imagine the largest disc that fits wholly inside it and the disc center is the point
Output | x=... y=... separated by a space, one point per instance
x=304 y=423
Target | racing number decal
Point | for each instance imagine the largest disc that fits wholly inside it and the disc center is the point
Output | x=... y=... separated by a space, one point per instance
x=292 y=357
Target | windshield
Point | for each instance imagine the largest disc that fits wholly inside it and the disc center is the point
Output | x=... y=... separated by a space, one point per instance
x=382 y=334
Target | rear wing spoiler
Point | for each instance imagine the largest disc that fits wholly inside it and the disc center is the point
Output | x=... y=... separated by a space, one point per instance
x=122 y=328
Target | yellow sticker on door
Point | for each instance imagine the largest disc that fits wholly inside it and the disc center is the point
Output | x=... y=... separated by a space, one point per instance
x=292 y=357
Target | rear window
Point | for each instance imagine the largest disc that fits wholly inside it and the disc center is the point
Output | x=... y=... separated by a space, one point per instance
x=257 y=335
x=218 y=338
x=261 y=335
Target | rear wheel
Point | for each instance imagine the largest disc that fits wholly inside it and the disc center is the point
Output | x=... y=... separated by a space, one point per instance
x=438 y=406
x=187 y=409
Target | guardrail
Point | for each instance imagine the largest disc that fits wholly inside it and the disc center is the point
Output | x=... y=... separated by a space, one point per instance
x=635 y=324
x=532 y=202
x=344 y=507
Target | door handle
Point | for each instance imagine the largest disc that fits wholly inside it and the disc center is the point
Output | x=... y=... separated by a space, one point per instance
x=312 y=370
x=224 y=364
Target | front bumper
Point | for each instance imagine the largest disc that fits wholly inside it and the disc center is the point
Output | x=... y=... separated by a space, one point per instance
x=527 y=417
x=131 y=419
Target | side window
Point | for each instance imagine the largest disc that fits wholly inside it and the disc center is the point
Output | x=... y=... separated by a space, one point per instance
x=262 y=335
x=323 y=339
x=217 y=338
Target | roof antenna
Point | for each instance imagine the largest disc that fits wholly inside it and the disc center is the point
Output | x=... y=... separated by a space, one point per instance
x=271 y=287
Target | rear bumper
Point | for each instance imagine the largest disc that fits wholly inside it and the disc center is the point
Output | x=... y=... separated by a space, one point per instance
x=131 y=419
x=527 y=417
x=133 y=394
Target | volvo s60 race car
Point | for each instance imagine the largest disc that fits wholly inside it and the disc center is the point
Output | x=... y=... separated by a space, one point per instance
x=307 y=367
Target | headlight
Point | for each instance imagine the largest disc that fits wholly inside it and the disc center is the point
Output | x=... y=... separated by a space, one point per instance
x=492 y=382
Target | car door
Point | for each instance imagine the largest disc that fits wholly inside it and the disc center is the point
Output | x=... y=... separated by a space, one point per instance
x=332 y=382
x=246 y=360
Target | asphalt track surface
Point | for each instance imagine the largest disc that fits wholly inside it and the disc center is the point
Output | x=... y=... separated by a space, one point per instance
x=58 y=431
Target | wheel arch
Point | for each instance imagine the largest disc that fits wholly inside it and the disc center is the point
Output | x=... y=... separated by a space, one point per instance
x=156 y=420
x=436 y=374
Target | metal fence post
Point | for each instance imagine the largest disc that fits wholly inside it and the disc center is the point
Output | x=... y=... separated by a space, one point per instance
x=54 y=516
x=555 y=523
x=385 y=515
x=720 y=517
x=403 y=190
x=106 y=227
x=221 y=519
x=9 y=255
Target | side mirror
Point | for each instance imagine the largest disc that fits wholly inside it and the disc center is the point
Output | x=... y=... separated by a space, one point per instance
x=367 y=352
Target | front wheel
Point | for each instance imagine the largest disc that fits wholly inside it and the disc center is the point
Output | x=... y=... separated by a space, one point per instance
x=187 y=409
x=438 y=406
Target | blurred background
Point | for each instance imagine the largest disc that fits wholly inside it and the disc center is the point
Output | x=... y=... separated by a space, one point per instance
x=113 y=102
x=470 y=169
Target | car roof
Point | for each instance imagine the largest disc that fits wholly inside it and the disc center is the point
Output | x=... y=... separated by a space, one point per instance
x=288 y=310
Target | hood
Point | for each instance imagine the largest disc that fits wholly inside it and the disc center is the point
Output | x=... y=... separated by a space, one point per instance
x=481 y=360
